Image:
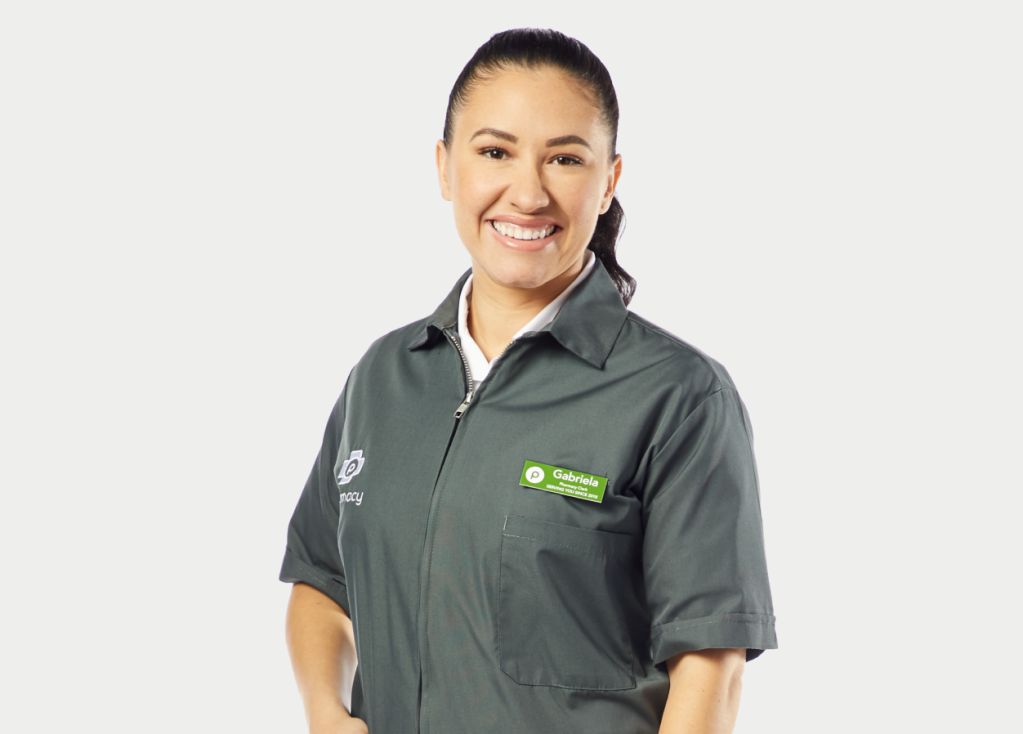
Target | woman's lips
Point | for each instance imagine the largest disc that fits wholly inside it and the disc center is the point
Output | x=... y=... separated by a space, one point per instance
x=526 y=239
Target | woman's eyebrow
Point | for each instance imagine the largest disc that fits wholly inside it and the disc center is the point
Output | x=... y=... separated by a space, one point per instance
x=553 y=142
x=567 y=140
x=496 y=133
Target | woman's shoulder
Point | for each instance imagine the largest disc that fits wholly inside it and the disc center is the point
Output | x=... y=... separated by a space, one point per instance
x=654 y=348
x=398 y=341
x=422 y=332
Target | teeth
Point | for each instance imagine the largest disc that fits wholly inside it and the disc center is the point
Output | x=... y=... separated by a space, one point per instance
x=519 y=233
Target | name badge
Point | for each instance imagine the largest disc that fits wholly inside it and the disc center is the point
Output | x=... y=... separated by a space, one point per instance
x=568 y=482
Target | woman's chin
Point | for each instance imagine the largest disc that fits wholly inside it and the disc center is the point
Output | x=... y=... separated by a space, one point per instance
x=513 y=274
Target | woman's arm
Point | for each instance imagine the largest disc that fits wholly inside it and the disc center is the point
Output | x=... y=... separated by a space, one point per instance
x=703 y=697
x=322 y=648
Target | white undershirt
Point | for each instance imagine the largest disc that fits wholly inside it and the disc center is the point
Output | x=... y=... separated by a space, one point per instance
x=478 y=364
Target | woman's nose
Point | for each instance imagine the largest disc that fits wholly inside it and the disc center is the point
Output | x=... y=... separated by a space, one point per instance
x=527 y=191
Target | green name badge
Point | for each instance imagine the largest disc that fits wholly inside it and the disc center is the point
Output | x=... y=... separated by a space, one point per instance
x=563 y=481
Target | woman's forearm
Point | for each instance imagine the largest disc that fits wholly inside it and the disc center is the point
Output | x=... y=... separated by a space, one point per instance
x=703 y=697
x=322 y=648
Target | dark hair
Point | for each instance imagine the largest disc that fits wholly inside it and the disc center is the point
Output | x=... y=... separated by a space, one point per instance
x=533 y=48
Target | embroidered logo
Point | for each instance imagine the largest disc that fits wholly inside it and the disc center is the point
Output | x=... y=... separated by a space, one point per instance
x=350 y=467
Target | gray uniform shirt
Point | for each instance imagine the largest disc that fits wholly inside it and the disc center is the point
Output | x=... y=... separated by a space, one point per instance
x=481 y=604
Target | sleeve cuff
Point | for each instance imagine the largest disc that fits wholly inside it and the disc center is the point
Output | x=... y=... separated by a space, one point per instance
x=294 y=570
x=755 y=632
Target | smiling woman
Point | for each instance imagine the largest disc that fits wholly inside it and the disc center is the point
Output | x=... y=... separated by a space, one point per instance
x=459 y=580
x=527 y=188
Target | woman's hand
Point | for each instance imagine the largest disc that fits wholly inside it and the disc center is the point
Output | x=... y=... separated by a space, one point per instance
x=338 y=723
x=354 y=726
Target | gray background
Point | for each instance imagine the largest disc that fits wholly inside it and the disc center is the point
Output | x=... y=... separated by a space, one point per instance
x=208 y=210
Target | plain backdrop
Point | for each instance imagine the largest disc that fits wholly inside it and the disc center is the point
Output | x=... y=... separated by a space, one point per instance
x=208 y=211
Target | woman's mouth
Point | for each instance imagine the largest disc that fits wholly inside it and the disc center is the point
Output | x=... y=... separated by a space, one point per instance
x=523 y=233
x=524 y=239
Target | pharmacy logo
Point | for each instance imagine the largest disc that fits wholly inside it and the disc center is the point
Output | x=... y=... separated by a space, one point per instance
x=534 y=474
x=350 y=467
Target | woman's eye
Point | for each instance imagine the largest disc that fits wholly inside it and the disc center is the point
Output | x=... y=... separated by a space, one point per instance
x=494 y=154
x=567 y=160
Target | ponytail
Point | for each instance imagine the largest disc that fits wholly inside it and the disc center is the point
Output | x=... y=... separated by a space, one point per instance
x=605 y=237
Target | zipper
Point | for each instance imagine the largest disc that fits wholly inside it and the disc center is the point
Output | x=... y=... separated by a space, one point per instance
x=424 y=561
x=468 y=374
x=470 y=392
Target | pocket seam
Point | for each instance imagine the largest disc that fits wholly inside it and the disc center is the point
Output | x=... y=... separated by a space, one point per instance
x=601 y=541
x=584 y=549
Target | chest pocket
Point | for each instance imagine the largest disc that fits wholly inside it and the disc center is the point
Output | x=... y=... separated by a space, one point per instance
x=560 y=619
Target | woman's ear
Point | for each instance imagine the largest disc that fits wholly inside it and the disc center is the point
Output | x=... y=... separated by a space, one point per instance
x=612 y=184
x=442 y=170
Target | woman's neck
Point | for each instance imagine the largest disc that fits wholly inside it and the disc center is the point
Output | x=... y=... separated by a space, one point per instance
x=498 y=312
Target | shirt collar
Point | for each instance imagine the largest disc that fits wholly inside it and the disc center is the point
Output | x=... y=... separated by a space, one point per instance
x=478 y=364
x=587 y=324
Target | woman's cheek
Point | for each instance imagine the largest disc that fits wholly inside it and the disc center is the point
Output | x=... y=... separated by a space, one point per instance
x=476 y=192
x=581 y=201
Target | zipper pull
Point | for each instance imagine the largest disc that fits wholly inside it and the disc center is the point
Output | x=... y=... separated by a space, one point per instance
x=465 y=404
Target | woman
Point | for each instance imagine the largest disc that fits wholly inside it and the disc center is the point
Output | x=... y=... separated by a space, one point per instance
x=533 y=511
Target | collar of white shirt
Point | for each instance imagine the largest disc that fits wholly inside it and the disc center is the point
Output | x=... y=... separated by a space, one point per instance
x=478 y=364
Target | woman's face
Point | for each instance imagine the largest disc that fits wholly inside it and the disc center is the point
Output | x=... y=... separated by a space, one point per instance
x=528 y=171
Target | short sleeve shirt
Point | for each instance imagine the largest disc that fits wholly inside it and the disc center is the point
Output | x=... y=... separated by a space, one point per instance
x=481 y=603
